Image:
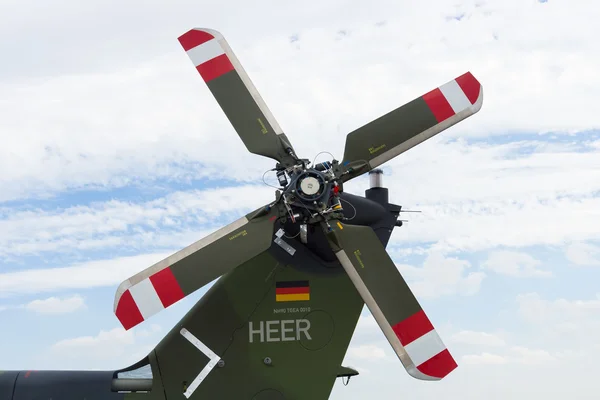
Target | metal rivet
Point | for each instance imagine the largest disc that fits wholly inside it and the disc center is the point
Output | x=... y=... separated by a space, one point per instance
x=221 y=363
x=267 y=360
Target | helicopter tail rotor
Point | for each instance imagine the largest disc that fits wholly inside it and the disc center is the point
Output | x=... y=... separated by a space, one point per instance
x=311 y=198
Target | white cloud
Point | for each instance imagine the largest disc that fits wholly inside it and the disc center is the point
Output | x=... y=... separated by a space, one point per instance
x=369 y=352
x=116 y=336
x=484 y=358
x=518 y=209
x=520 y=194
x=516 y=264
x=85 y=275
x=152 y=329
x=165 y=222
x=583 y=254
x=562 y=324
x=56 y=305
x=163 y=118
x=442 y=276
x=115 y=348
x=366 y=324
x=524 y=355
x=503 y=352
x=477 y=338
x=534 y=308
x=516 y=355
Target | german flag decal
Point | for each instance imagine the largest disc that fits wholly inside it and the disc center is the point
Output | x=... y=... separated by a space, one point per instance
x=292 y=291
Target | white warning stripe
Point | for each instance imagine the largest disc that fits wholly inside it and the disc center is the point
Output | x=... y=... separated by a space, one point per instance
x=425 y=347
x=205 y=52
x=145 y=297
x=214 y=359
x=456 y=96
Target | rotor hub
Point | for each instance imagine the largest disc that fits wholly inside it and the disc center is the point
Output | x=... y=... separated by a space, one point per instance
x=309 y=192
x=310 y=186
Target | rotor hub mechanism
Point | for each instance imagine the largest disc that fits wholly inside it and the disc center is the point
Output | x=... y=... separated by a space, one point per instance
x=309 y=192
x=310 y=185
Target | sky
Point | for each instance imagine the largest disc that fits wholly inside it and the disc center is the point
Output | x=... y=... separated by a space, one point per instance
x=114 y=155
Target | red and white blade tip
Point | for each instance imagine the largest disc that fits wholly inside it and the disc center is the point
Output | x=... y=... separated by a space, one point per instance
x=136 y=303
x=430 y=358
x=205 y=49
x=458 y=96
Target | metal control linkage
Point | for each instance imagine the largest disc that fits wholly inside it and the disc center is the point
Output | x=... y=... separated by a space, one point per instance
x=310 y=194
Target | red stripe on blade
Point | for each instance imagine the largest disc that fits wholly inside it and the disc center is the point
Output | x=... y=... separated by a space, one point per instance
x=412 y=327
x=439 y=365
x=214 y=68
x=128 y=312
x=438 y=104
x=292 y=290
x=470 y=86
x=194 y=38
x=166 y=286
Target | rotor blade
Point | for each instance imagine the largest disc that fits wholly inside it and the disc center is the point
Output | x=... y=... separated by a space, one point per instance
x=413 y=123
x=234 y=91
x=392 y=303
x=182 y=273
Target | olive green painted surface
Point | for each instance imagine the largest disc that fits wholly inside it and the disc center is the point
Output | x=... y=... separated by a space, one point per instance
x=246 y=117
x=304 y=366
x=387 y=132
x=224 y=254
x=377 y=270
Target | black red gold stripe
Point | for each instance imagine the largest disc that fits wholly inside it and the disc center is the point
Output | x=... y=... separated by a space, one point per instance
x=292 y=291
